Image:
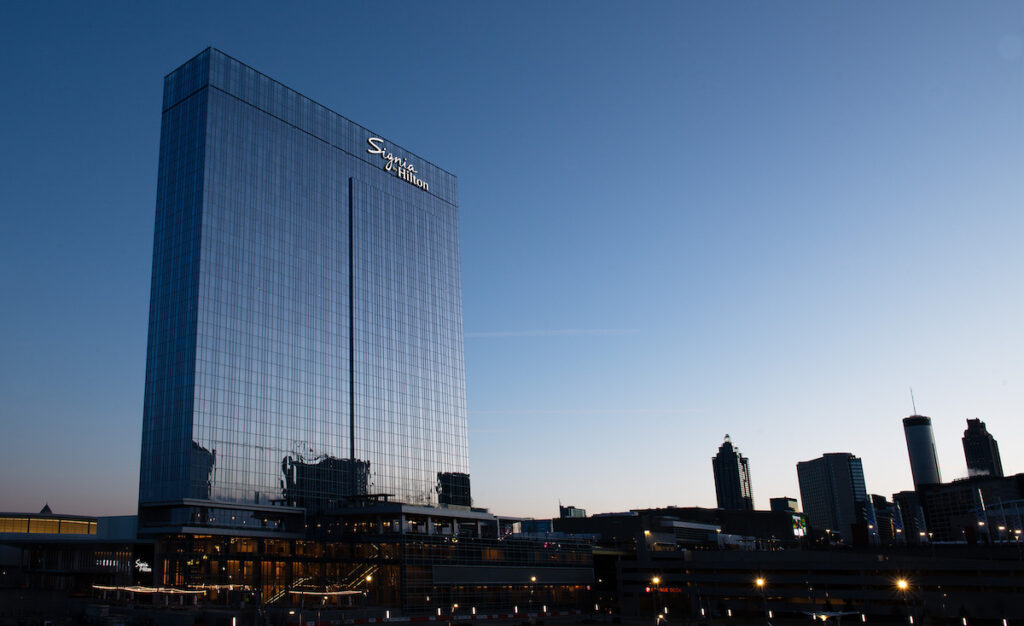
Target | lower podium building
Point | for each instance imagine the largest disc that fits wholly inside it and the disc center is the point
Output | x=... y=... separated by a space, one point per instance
x=304 y=431
x=387 y=559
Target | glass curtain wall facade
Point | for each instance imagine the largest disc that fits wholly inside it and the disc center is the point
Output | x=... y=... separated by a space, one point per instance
x=924 y=460
x=305 y=334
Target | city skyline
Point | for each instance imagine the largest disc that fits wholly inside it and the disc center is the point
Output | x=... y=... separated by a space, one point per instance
x=760 y=226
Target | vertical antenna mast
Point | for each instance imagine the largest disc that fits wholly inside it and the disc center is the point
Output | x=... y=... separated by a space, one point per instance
x=912 y=403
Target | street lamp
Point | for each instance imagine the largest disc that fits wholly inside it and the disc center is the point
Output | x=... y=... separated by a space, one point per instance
x=533 y=584
x=655 y=581
x=903 y=586
x=760 y=583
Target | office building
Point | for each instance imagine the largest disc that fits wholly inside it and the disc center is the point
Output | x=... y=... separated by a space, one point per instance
x=834 y=496
x=888 y=521
x=924 y=461
x=784 y=505
x=908 y=504
x=732 y=478
x=981 y=451
x=304 y=428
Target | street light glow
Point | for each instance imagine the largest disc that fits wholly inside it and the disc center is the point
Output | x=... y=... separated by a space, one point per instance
x=656 y=581
x=759 y=582
x=902 y=584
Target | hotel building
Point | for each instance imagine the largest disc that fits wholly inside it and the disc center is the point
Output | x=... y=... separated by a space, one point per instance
x=304 y=424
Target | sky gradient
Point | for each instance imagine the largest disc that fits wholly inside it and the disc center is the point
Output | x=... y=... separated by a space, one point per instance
x=678 y=220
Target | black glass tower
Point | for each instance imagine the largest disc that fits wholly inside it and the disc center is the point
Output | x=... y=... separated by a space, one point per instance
x=305 y=333
x=924 y=460
x=834 y=495
x=981 y=450
x=732 y=478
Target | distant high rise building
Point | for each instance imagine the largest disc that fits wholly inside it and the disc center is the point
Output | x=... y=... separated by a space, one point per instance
x=834 y=496
x=887 y=520
x=565 y=512
x=732 y=478
x=786 y=505
x=915 y=530
x=924 y=462
x=981 y=450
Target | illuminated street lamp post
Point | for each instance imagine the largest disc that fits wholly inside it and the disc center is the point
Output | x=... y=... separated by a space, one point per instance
x=654 y=599
x=760 y=583
x=903 y=587
x=533 y=584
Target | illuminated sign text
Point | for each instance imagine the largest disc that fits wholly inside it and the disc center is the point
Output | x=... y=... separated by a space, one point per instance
x=400 y=166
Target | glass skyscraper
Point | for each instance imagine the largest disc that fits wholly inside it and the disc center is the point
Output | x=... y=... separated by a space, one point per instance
x=924 y=460
x=305 y=333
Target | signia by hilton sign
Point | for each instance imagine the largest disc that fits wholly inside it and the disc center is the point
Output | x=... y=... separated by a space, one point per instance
x=402 y=167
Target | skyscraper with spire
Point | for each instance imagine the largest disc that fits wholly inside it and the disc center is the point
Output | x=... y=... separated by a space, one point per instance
x=924 y=460
x=732 y=478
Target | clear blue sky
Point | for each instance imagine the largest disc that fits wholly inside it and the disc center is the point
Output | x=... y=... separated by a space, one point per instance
x=678 y=220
